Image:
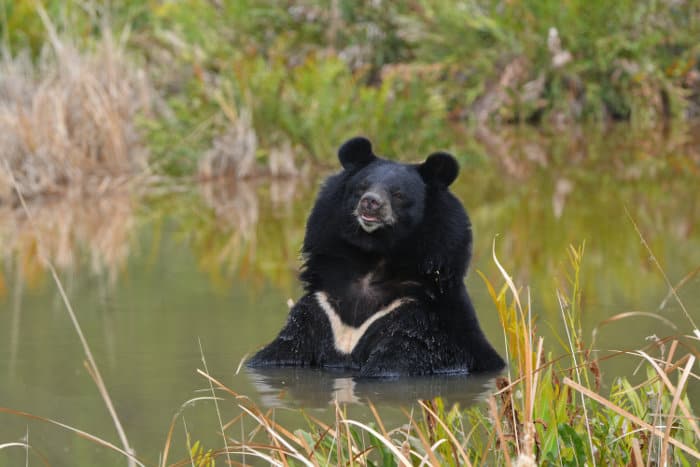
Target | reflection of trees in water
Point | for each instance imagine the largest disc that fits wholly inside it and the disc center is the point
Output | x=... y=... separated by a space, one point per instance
x=619 y=151
x=554 y=191
x=581 y=190
x=254 y=227
x=62 y=229
x=239 y=227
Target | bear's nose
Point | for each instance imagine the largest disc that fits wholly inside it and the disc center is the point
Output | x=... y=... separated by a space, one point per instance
x=370 y=202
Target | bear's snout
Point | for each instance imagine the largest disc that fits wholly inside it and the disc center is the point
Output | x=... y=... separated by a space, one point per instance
x=373 y=211
x=370 y=203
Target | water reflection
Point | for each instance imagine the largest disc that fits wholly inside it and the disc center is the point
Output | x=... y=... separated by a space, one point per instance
x=540 y=192
x=65 y=229
x=310 y=388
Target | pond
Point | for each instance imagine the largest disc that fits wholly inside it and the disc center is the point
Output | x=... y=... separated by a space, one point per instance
x=187 y=277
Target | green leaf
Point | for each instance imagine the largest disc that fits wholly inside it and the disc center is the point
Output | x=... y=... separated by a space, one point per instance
x=572 y=440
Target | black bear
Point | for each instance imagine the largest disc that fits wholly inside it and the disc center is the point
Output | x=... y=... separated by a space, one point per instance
x=385 y=254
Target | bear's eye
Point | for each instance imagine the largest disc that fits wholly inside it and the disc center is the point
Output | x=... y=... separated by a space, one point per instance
x=397 y=195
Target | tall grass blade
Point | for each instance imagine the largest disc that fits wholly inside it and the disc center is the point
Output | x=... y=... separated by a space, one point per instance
x=672 y=289
x=674 y=405
x=386 y=442
x=216 y=402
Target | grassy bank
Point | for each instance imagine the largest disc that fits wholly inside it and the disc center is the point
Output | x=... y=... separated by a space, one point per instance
x=267 y=87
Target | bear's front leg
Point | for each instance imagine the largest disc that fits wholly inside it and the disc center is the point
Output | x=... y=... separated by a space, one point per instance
x=296 y=343
x=393 y=357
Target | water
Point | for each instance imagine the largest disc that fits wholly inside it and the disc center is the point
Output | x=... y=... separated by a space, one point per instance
x=155 y=278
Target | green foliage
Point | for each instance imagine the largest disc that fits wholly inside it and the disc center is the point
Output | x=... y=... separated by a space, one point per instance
x=200 y=457
x=572 y=449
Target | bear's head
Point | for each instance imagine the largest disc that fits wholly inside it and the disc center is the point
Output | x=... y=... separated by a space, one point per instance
x=383 y=202
x=378 y=209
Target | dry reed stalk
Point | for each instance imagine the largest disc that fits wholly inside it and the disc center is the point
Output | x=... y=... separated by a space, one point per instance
x=577 y=369
x=429 y=454
x=672 y=289
x=529 y=374
x=674 y=405
x=278 y=435
x=378 y=419
x=519 y=353
x=493 y=408
x=279 y=442
x=14 y=445
x=83 y=434
x=168 y=441
x=636 y=453
x=386 y=442
x=455 y=442
x=662 y=375
x=216 y=403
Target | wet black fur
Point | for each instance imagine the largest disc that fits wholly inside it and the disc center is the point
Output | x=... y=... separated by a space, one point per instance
x=422 y=256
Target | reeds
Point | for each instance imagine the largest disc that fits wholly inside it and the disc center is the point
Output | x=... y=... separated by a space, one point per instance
x=68 y=119
x=551 y=409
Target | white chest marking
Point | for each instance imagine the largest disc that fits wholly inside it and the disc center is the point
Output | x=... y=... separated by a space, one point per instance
x=346 y=337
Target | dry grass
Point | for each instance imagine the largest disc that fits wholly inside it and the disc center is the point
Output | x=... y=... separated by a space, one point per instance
x=69 y=119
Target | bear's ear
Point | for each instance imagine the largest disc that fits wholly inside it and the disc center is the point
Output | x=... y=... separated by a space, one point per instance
x=439 y=168
x=356 y=153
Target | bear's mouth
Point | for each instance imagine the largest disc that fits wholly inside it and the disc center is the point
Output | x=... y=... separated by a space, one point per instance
x=368 y=222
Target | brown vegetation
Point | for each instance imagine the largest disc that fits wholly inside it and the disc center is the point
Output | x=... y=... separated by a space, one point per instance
x=69 y=119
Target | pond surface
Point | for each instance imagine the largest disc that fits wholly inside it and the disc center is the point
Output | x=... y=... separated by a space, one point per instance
x=163 y=280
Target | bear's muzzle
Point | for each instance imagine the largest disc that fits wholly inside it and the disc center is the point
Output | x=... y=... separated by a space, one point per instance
x=373 y=211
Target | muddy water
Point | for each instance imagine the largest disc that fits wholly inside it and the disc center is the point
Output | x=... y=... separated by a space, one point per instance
x=164 y=282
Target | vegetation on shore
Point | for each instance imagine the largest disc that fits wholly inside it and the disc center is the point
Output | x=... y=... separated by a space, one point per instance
x=247 y=88
x=68 y=118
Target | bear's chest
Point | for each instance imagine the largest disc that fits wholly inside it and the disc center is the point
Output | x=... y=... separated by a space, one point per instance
x=347 y=336
x=357 y=295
